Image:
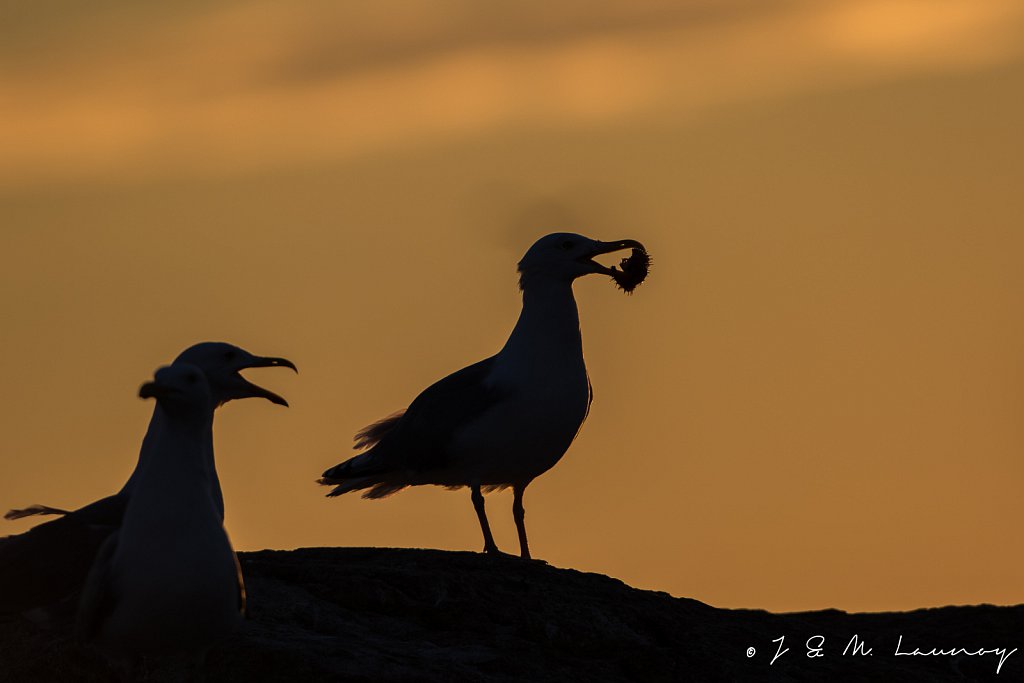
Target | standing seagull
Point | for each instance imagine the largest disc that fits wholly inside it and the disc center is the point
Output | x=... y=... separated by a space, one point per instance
x=48 y=564
x=167 y=581
x=505 y=420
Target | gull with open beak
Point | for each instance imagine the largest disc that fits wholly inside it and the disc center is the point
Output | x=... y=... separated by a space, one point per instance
x=45 y=567
x=505 y=420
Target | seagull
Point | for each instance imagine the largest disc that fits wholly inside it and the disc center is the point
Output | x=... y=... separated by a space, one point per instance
x=167 y=581
x=47 y=565
x=507 y=419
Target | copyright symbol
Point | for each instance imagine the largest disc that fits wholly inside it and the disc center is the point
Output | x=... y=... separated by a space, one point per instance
x=751 y=652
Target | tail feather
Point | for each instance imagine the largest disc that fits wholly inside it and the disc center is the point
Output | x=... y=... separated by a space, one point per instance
x=371 y=434
x=362 y=465
x=378 y=488
x=19 y=513
x=368 y=470
x=383 y=489
x=341 y=486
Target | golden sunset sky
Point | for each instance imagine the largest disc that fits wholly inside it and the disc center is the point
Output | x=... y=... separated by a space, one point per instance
x=815 y=401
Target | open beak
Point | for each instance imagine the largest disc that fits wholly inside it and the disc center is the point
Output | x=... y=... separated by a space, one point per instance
x=256 y=391
x=607 y=248
x=269 y=362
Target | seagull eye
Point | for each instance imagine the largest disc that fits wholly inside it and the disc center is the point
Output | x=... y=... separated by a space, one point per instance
x=192 y=378
x=568 y=244
x=230 y=355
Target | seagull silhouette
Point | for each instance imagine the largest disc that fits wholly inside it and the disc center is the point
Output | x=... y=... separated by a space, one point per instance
x=45 y=567
x=507 y=419
x=167 y=581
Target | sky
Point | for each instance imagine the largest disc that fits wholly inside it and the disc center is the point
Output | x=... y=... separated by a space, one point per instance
x=815 y=400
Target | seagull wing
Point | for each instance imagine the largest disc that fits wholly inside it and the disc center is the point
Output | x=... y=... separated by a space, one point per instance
x=98 y=598
x=418 y=439
x=243 y=606
x=51 y=561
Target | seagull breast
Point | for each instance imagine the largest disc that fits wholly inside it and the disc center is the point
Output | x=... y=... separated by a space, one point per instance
x=542 y=375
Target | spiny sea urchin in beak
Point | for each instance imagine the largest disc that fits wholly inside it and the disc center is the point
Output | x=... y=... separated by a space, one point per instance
x=632 y=270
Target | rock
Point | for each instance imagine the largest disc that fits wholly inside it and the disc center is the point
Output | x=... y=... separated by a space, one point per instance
x=381 y=614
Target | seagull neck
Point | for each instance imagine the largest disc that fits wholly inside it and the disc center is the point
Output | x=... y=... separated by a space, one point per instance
x=156 y=426
x=182 y=445
x=549 y=318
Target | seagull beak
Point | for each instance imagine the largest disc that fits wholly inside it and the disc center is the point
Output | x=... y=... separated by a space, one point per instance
x=154 y=390
x=607 y=248
x=256 y=391
x=269 y=362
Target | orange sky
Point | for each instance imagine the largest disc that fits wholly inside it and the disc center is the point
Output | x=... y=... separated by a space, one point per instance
x=814 y=402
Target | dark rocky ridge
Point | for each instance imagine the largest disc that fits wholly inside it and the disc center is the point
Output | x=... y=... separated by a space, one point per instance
x=366 y=614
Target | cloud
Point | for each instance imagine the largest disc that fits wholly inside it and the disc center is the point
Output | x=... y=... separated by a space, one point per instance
x=252 y=87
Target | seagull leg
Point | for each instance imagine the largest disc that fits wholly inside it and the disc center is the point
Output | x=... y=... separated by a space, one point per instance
x=478 y=505
x=519 y=514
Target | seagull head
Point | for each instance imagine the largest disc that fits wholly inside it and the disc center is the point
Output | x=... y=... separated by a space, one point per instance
x=565 y=256
x=180 y=388
x=222 y=364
